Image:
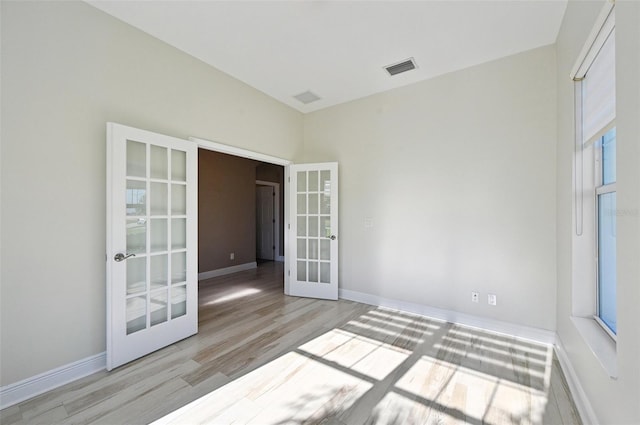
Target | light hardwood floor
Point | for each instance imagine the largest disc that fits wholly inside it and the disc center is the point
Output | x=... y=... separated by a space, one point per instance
x=264 y=358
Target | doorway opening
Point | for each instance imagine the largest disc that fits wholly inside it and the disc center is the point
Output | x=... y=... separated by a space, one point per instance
x=239 y=220
x=268 y=221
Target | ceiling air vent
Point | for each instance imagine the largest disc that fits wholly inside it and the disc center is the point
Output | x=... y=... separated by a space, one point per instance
x=398 y=68
x=307 y=97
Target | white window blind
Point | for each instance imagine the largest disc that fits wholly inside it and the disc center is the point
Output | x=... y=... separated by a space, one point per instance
x=595 y=97
x=599 y=92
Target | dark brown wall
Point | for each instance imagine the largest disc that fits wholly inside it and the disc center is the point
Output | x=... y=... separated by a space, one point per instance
x=274 y=173
x=226 y=210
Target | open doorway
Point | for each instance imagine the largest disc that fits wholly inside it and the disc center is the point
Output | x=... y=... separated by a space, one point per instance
x=269 y=212
x=267 y=221
x=231 y=224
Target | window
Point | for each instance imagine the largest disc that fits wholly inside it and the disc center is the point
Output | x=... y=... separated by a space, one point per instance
x=594 y=239
x=605 y=194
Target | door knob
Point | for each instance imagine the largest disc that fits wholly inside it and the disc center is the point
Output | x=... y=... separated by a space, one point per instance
x=121 y=257
x=332 y=237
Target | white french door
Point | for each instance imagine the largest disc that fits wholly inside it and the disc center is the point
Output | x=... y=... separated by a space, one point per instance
x=313 y=235
x=152 y=275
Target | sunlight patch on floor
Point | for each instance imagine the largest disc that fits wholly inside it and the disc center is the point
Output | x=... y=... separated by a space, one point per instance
x=383 y=369
x=235 y=295
x=363 y=355
x=505 y=364
x=499 y=340
x=455 y=393
x=397 y=316
x=291 y=388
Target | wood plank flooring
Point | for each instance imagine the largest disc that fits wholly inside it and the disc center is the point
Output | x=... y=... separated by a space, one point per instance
x=264 y=358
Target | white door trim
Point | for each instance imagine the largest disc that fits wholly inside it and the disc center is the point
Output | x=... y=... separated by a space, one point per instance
x=243 y=153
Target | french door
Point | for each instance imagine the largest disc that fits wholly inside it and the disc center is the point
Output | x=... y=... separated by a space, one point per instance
x=313 y=235
x=152 y=275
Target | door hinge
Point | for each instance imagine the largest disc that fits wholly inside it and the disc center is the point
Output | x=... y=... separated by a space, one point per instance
x=289 y=179
x=274 y=220
x=289 y=226
x=288 y=272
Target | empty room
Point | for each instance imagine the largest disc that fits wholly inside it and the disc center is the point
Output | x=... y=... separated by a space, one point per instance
x=340 y=212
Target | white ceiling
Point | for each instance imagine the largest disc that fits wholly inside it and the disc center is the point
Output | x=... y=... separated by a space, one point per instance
x=337 y=49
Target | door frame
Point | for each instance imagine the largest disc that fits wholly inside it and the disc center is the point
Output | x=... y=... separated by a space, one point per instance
x=276 y=217
x=245 y=153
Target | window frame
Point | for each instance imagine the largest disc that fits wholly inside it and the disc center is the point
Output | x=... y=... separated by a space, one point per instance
x=584 y=273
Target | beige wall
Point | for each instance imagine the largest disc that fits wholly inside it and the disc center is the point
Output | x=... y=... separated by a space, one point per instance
x=226 y=210
x=67 y=69
x=457 y=175
x=275 y=174
x=613 y=401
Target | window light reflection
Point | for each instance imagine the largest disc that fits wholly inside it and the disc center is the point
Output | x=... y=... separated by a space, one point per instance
x=366 y=368
x=235 y=295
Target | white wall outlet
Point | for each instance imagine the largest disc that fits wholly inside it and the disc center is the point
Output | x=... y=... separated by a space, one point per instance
x=475 y=297
x=232 y=256
x=492 y=299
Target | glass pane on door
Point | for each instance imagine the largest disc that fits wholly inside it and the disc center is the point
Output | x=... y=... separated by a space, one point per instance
x=178 y=199
x=159 y=271
x=158 y=307
x=159 y=199
x=159 y=163
x=136 y=159
x=178 y=301
x=178 y=233
x=178 y=166
x=136 y=197
x=159 y=238
x=136 y=275
x=136 y=235
x=325 y=272
x=136 y=314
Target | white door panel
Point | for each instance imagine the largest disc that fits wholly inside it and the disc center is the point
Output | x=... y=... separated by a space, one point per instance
x=152 y=247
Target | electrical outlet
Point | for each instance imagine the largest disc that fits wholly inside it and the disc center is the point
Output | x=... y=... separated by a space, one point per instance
x=475 y=297
x=232 y=256
x=492 y=299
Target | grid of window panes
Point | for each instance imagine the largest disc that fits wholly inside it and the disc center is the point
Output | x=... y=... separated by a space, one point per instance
x=606 y=210
x=313 y=226
x=156 y=228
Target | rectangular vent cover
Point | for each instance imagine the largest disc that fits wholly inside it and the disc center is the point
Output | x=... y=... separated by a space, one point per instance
x=307 y=97
x=398 y=68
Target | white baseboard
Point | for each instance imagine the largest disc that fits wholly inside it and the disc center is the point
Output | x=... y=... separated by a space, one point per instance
x=36 y=385
x=523 y=332
x=587 y=413
x=280 y=258
x=227 y=270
